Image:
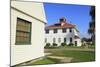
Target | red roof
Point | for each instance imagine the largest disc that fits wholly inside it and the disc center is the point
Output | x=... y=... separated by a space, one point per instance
x=61 y=25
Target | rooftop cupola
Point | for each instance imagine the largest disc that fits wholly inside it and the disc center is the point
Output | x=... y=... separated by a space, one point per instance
x=62 y=21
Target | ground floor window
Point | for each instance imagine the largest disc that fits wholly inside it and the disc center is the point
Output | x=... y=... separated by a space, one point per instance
x=23 y=31
x=71 y=40
x=75 y=43
x=54 y=40
x=64 y=40
x=59 y=40
x=45 y=40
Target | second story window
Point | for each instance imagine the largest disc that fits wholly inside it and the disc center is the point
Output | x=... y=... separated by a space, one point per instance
x=55 y=30
x=46 y=31
x=70 y=30
x=64 y=30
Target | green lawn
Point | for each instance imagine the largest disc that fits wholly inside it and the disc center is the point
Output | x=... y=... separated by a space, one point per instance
x=78 y=56
x=45 y=60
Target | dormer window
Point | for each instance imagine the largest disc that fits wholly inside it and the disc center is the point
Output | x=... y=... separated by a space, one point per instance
x=58 y=24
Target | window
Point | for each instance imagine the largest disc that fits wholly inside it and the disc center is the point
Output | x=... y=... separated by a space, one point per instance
x=55 y=30
x=47 y=31
x=45 y=40
x=75 y=43
x=71 y=40
x=64 y=30
x=64 y=40
x=23 y=32
x=54 y=40
x=70 y=30
x=58 y=24
x=59 y=40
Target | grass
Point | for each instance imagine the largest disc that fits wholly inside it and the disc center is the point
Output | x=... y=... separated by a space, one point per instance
x=91 y=46
x=78 y=56
x=46 y=60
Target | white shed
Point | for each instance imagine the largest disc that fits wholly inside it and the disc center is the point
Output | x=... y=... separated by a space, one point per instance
x=27 y=31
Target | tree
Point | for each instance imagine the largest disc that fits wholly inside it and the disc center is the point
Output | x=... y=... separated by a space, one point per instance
x=91 y=29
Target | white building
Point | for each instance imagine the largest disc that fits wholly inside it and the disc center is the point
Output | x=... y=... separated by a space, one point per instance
x=62 y=32
x=27 y=31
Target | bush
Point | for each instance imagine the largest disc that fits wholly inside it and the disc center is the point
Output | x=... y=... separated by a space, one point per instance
x=63 y=44
x=82 y=45
x=71 y=44
x=54 y=44
x=47 y=45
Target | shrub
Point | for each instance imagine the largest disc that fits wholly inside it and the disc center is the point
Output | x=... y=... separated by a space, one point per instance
x=54 y=44
x=83 y=45
x=47 y=45
x=63 y=44
x=71 y=44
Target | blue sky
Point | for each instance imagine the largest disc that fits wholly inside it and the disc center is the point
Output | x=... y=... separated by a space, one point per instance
x=75 y=14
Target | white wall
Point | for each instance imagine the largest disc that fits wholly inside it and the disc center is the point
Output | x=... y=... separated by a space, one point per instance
x=22 y=53
x=78 y=42
x=61 y=35
x=35 y=9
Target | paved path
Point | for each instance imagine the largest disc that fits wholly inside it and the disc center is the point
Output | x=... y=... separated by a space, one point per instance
x=62 y=59
x=46 y=54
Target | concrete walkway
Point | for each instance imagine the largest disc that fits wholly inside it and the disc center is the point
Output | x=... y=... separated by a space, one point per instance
x=46 y=54
x=62 y=59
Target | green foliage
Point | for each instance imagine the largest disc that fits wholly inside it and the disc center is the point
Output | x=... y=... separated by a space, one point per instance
x=47 y=45
x=54 y=44
x=83 y=45
x=63 y=44
x=71 y=44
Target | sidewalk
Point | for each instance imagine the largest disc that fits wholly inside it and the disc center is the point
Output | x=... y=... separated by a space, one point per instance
x=62 y=59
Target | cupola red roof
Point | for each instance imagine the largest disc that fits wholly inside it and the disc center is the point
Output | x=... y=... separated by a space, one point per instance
x=61 y=24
